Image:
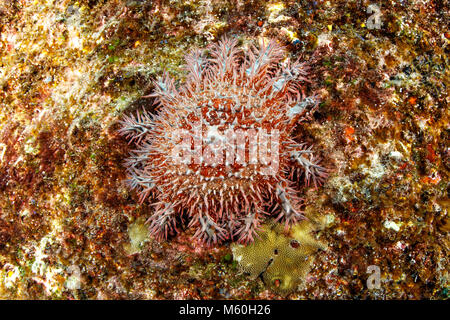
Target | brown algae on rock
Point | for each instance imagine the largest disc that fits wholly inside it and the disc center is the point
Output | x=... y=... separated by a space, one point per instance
x=281 y=258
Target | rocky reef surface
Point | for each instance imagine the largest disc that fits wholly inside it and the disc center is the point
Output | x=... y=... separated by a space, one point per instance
x=70 y=228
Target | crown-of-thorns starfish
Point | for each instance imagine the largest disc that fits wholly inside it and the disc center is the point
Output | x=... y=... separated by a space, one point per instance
x=219 y=149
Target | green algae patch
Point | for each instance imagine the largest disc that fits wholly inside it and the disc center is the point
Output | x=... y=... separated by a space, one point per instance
x=138 y=233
